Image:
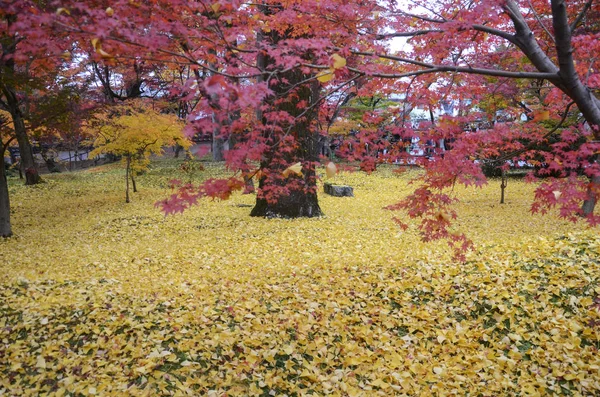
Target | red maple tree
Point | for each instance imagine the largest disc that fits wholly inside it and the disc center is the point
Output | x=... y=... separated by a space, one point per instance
x=265 y=77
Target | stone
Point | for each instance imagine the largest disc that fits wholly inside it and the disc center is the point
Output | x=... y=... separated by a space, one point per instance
x=338 y=190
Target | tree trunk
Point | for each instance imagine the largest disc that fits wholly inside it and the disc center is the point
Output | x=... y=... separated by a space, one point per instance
x=218 y=146
x=178 y=149
x=133 y=183
x=301 y=201
x=5 y=229
x=297 y=204
x=248 y=185
x=32 y=176
x=503 y=186
x=127 y=179
x=50 y=163
x=592 y=196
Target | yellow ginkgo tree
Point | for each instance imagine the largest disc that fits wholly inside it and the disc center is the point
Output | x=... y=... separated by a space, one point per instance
x=134 y=132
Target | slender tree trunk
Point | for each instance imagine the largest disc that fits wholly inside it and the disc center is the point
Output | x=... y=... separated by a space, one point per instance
x=50 y=163
x=592 y=196
x=133 y=184
x=32 y=176
x=127 y=179
x=8 y=48
x=218 y=146
x=248 y=185
x=5 y=229
x=503 y=186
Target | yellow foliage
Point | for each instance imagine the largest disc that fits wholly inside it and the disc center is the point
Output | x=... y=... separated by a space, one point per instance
x=102 y=298
x=338 y=61
x=343 y=127
x=325 y=76
x=294 y=169
x=138 y=132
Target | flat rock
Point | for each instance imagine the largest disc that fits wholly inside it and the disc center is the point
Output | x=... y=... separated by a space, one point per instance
x=338 y=190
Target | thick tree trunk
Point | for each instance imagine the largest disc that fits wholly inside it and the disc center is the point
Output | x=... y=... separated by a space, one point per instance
x=302 y=201
x=5 y=228
x=297 y=204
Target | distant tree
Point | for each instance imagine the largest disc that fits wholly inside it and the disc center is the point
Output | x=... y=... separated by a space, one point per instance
x=134 y=132
x=6 y=137
x=32 y=52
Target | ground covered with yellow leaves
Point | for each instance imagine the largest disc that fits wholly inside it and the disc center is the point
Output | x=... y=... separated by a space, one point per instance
x=99 y=297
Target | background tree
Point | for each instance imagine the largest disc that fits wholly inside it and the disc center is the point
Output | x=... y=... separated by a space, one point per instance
x=134 y=132
x=6 y=137
x=539 y=41
x=31 y=52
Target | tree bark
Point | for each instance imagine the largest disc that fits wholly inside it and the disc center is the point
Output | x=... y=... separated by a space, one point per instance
x=7 y=89
x=133 y=183
x=32 y=176
x=567 y=79
x=50 y=163
x=503 y=186
x=301 y=202
x=178 y=149
x=592 y=196
x=296 y=205
x=127 y=179
x=5 y=228
x=218 y=146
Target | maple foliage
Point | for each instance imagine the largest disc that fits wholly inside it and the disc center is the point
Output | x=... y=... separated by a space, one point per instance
x=346 y=305
x=260 y=74
x=254 y=66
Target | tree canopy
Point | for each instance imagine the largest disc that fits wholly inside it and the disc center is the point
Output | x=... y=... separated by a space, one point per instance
x=270 y=77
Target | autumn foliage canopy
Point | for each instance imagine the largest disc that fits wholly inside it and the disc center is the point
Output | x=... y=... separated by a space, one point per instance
x=272 y=77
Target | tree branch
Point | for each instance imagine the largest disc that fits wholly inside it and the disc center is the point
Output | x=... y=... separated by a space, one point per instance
x=407 y=34
x=580 y=16
x=532 y=145
x=526 y=42
x=537 y=17
x=573 y=86
x=433 y=68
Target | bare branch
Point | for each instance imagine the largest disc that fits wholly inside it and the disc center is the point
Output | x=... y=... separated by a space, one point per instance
x=537 y=17
x=496 y=32
x=581 y=15
x=524 y=39
x=432 y=68
x=407 y=34
x=573 y=86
